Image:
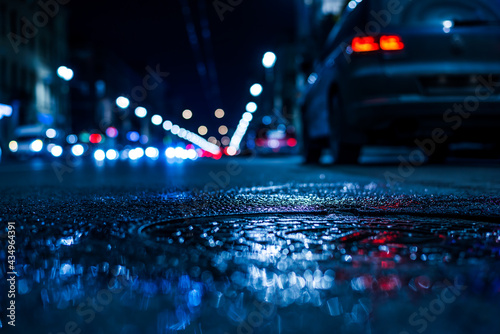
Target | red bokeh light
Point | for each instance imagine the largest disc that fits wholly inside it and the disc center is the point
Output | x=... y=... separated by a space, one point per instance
x=95 y=138
x=292 y=142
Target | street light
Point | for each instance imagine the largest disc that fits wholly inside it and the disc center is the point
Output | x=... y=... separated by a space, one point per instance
x=247 y=117
x=269 y=60
x=202 y=130
x=251 y=107
x=156 y=119
x=122 y=102
x=256 y=90
x=65 y=73
x=219 y=113
x=223 y=130
x=141 y=112
x=167 y=125
x=187 y=114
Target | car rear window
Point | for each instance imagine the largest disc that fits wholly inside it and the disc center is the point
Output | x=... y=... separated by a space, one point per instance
x=435 y=12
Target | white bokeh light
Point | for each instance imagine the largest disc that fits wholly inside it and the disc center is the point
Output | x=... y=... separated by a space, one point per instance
x=56 y=151
x=122 y=102
x=77 y=150
x=251 y=107
x=99 y=155
x=112 y=154
x=36 y=146
x=51 y=133
x=141 y=112
x=156 y=119
x=269 y=60
x=256 y=90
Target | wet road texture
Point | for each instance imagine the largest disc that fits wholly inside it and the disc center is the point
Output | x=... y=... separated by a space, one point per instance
x=252 y=245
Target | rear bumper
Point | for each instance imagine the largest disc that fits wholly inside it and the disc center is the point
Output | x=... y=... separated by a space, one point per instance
x=409 y=100
x=411 y=116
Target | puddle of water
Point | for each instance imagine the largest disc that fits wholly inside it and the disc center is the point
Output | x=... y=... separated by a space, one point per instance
x=275 y=273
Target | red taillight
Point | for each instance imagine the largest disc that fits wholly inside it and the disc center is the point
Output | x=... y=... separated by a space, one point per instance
x=364 y=44
x=391 y=43
x=385 y=43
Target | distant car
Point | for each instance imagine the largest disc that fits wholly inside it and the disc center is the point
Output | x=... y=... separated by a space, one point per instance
x=272 y=141
x=404 y=72
x=36 y=140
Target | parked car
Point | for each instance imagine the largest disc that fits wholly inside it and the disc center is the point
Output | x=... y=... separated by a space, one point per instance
x=403 y=72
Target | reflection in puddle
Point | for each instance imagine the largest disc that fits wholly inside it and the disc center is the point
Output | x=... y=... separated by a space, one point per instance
x=275 y=273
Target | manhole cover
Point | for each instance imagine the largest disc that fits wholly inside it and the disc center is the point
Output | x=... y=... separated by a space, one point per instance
x=327 y=234
x=345 y=265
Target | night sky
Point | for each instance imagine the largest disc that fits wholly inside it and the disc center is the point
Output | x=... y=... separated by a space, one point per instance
x=154 y=32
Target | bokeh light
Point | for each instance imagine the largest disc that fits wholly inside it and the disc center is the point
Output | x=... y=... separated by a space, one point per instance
x=56 y=151
x=51 y=133
x=13 y=146
x=95 y=138
x=72 y=139
x=36 y=145
x=256 y=90
x=187 y=114
x=152 y=153
x=77 y=150
x=223 y=130
x=167 y=125
x=122 y=102
x=156 y=119
x=269 y=60
x=112 y=132
x=202 y=130
x=225 y=140
x=99 y=155
x=219 y=113
x=141 y=112
x=133 y=136
x=251 y=107
x=112 y=154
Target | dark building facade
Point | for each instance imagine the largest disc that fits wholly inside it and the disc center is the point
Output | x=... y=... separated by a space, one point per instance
x=32 y=47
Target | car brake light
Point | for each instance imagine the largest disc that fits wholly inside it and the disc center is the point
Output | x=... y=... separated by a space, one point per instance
x=391 y=43
x=364 y=44
x=369 y=44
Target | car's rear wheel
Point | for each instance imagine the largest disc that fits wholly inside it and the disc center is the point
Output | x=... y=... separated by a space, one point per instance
x=342 y=152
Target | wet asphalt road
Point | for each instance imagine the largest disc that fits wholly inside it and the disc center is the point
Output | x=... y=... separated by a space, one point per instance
x=253 y=245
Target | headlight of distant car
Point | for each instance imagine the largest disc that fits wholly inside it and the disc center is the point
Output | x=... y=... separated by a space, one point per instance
x=13 y=146
x=56 y=151
x=36 y=145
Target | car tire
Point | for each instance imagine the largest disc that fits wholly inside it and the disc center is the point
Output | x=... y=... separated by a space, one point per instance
x=312 y=148
x=342 y=152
